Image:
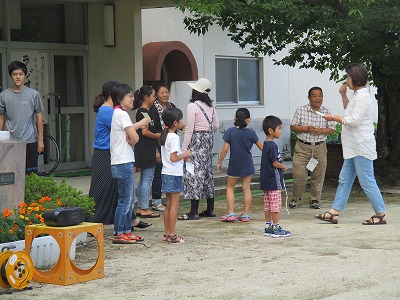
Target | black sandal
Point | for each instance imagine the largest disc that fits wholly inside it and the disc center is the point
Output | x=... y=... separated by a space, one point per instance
x=293 y=203
x=141 y=225
x=187 y=217
x=371 y=220
x=331 y=219
x=206 y=213
x=314 y=204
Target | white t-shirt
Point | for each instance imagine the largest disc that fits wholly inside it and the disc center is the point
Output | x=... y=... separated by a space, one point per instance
x=172 y=144
x=121 y=150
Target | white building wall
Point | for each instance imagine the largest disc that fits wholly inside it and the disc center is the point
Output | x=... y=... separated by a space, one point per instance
x=284 y=89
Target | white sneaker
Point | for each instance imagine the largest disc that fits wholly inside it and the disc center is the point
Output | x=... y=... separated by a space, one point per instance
x=158 y=207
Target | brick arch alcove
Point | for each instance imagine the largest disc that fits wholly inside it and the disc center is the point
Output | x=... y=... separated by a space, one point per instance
x=168 y=61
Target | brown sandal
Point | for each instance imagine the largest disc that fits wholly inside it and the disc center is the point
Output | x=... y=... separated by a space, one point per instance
x=174 y=239
x=329 y=219
x=371 y=221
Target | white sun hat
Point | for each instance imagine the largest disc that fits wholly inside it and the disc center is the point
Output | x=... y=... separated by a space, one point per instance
x=202 y=85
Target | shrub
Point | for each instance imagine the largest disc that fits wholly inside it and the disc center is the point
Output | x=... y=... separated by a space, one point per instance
x=41 y=194
x=334 y=137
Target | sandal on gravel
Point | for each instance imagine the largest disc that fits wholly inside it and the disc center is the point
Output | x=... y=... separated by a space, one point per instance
x=206 y=213
x=243 y=218
x=187 y=217
x=175 y=239
x=123 y=239
x=293 y=204
x=371 y=221
x=329 y=219
x=150 y=215
x=165 y=238
x=141 y=225
x=134 y=237
x=314 y=204
x=229 y=218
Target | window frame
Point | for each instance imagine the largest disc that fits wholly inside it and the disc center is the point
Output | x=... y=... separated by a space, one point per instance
x=237 y=102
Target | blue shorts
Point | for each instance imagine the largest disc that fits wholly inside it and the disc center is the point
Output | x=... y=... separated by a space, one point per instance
x=171 y=184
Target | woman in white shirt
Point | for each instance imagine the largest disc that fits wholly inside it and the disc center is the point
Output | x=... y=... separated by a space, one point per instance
x=123 y=136
x=359 y=148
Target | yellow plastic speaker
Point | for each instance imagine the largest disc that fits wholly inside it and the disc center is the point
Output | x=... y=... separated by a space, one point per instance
x=16 y=269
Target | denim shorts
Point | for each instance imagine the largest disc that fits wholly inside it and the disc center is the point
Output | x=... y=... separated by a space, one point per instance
x=171 y=184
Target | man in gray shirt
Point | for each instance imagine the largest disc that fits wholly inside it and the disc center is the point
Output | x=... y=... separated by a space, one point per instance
x=21 y=114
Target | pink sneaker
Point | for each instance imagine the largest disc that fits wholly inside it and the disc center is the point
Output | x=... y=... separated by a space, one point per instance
x=244 y=218
x=229 y=218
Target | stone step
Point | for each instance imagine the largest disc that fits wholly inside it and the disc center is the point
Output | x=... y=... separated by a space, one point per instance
x=220 y=179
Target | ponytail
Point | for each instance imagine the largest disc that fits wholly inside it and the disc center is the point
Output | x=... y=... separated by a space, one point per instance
x=163 y=136
x=139 y=95
x=137 y=102
x=98 y=101
x=240 y=117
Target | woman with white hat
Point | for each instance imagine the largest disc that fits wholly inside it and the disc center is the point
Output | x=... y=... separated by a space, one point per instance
x=202 y=121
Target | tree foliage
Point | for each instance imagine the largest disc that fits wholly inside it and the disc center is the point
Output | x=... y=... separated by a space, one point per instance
x=319 y=34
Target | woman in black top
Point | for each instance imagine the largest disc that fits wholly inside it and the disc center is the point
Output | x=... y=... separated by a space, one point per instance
x=145 y=150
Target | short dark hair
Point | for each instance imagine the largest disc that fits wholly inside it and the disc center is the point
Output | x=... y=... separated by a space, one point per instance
x=160 y=85
x=15 y=65
x=271 y=122
x=314 y=88
x=119 y=92
x=358 y=74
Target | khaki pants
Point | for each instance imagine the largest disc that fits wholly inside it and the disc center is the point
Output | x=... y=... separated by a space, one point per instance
x=302 y=155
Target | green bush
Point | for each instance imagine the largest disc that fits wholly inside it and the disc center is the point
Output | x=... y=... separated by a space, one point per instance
x=37 y=187
x=41 y=194
x=334 y=137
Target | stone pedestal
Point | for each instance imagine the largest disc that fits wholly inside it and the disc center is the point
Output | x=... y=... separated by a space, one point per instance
x=12 y=174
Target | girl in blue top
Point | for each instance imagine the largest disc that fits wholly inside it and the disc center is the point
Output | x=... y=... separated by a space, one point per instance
x=239 y=140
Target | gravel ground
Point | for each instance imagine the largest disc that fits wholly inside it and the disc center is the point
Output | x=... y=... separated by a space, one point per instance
x=235 y=261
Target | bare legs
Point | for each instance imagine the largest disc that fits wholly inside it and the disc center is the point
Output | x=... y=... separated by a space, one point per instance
x=171 y=211
x=272 y=217
x=230 y=194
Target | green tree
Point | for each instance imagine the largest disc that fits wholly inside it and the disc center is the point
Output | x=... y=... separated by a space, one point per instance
x=320 y=34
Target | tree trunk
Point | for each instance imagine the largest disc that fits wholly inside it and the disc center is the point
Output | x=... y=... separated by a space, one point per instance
x=388 y=137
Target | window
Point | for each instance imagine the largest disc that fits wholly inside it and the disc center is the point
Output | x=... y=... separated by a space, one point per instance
x=237 y=80
x=44 y=21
